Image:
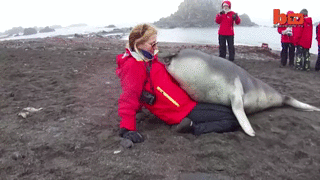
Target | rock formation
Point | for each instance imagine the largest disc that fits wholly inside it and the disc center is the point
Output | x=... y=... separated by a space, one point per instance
x=29 y=31
x=197 y=13
x=110 y=26
x=46 y=29
x=246 y=21
x=14 y=30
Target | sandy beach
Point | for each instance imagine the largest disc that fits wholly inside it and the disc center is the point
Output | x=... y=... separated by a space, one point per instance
x=73 y=131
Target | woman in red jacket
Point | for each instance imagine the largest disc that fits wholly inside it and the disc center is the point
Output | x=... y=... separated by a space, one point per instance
x=226 y=18
x=146 y=82
x=317 y=68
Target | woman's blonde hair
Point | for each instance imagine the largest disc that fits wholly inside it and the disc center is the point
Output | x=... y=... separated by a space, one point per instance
x=140 y=34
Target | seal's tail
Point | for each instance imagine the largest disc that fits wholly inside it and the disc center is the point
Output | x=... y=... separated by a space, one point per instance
x=300 y=105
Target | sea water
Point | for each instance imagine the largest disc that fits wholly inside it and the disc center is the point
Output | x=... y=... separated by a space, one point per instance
x=60 y=31
x=251 y=36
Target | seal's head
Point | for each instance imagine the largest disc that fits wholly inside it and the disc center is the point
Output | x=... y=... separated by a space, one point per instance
x=166 y=57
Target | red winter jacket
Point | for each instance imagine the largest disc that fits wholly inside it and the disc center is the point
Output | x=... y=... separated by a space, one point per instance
x=285 y=38
x=226 y=23
x=132 y=73
x=303 y=34
x=282 y=27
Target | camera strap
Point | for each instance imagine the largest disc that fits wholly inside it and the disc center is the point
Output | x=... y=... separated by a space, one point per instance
x=148 y=70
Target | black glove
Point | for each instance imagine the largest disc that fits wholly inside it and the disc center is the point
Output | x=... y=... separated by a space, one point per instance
x=134 y=136
x=222 y=12
x=235 y=16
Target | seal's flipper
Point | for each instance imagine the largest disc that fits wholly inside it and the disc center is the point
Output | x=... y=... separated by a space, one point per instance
x=297 y=104
x=238 y=108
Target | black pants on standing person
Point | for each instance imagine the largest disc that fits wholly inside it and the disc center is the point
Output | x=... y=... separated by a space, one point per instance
x=287 y=48
x=223 y=47
x=317 y=68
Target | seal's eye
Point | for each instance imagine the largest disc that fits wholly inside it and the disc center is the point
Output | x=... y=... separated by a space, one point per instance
x=167 y=60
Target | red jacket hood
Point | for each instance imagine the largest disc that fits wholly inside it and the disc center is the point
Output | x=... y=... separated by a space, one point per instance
x=227 y=2
x=121 y=58
x=308 y=20
x=290 y=12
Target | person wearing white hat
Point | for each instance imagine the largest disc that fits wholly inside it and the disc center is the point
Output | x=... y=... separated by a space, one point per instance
x=226 y=19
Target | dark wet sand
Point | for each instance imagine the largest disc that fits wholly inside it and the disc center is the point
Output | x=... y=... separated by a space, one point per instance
x=74 y=136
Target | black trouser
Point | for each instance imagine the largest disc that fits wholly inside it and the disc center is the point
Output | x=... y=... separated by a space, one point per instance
x=223 y=46
x=317 y=68
x=284 y=54
x=209 y=117
x=302 y=58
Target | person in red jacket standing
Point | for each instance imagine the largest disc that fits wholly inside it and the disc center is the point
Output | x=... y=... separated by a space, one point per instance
x=226 y=18
x=287 y=43
x=303 y=40
x=146 y=82
x=317 y=68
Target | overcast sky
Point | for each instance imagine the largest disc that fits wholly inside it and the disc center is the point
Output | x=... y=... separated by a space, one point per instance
x=30 y=13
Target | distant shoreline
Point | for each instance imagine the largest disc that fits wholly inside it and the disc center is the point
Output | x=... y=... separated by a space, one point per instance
x=166 y=43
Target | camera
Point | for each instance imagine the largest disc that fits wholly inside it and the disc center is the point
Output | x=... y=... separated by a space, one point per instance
x=147 y=97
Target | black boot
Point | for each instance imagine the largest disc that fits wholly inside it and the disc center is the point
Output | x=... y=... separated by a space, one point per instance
x=185 y=126
x=291 y=55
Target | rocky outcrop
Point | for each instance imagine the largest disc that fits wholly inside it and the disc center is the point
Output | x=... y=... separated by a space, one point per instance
x=196 y=13
x=115 y=33
x=110 y=26
x=15 y=30
x=29 y=31
x=191 y=13
x=246 y=21
x=46 y=29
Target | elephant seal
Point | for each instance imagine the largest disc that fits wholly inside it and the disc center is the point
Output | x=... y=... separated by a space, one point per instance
x=211 y=79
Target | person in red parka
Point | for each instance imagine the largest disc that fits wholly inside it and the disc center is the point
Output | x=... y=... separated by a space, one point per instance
x=317 y=68
x=146 y=82
x=226 y=18
x=287 y=43
x=303 y=41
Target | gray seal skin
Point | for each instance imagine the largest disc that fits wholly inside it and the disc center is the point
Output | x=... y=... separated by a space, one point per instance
x=211 y=79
